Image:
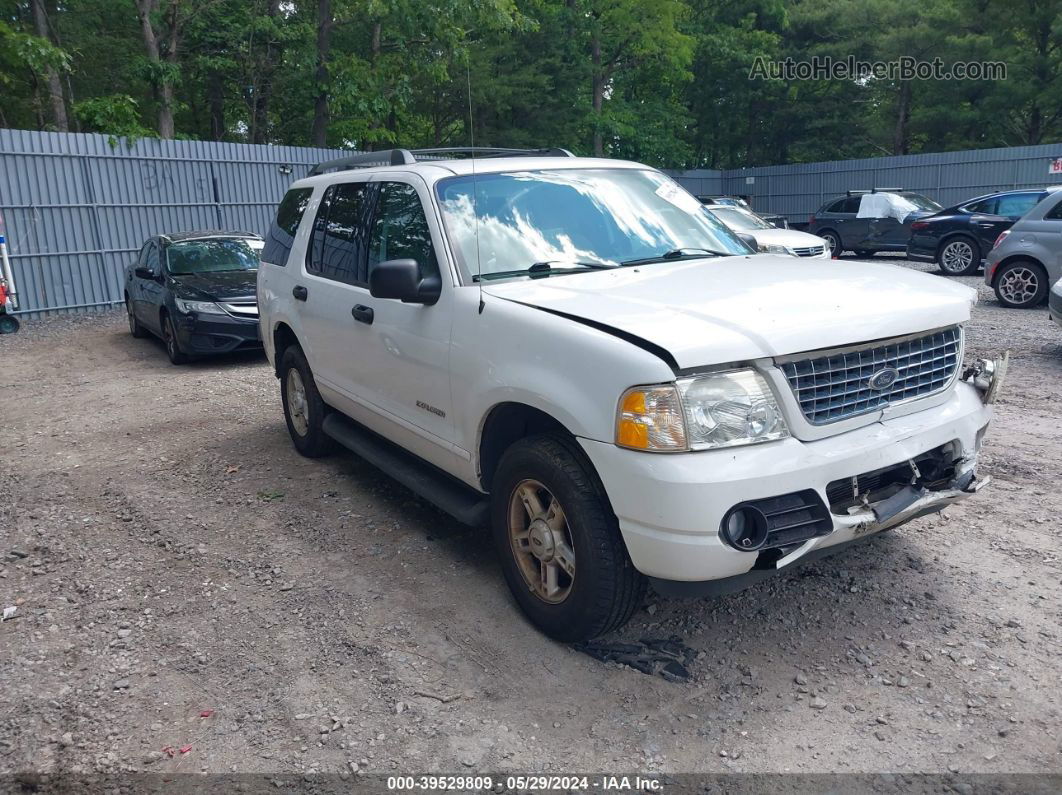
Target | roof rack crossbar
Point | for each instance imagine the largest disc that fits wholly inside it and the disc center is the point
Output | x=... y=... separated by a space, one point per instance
x=875 y=190
x=405 y=157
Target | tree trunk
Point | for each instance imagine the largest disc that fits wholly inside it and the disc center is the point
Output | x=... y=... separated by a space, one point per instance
x=216 y=100
x=319 y=135
x=162 y=88
x=598 y=94
x=903 y=118
x=264 y=95
x=54 y=85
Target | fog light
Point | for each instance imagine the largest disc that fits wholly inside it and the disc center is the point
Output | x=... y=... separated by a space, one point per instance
x=745 y=528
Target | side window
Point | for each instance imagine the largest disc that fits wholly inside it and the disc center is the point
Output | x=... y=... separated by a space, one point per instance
x=985 y=206
x=836 y=207
x=1055 y=213
x=851 y=204
x=151 y=257
x=141 y=258
x=400 y=229
x=282 y=233
x=1017 y=204
x=337 y=246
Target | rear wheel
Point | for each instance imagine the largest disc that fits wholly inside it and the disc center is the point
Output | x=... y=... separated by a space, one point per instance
x=304 y=410
x=833 y=240
x=134 y=325
x=173 y=344
x=559 y=542
x=8 y=324
x=1021 y=284
x=959 y=256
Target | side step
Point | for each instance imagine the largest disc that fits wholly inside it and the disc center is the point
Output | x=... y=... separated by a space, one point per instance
x=465 y=504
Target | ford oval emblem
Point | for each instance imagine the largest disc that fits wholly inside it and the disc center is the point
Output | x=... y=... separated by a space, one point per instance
x=883 y=378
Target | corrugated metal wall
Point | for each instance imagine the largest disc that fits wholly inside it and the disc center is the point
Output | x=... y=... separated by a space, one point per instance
x=797 y=191
x=77 y=209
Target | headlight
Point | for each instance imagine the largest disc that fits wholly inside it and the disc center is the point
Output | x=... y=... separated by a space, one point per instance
x=206 y=307
x=700 y=413
x=774 y=248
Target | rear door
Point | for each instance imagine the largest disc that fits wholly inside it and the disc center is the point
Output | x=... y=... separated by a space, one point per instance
x=151 y=289
x=1008 y=208
x=853 y=230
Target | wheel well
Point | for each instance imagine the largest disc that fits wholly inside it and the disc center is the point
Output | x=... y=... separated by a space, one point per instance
x=505 y=424
x=1017 y=258
x=283 y=338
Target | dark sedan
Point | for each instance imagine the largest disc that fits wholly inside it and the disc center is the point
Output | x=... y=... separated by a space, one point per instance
x=197 y=291
x=959 y=237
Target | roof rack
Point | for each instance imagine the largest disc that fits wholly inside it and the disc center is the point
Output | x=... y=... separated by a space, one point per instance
x=405 y=157
x=874 y=190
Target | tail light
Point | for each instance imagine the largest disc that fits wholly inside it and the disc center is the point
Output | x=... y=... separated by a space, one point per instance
x=918 y=226
x=1001 y=238
x=811 y=220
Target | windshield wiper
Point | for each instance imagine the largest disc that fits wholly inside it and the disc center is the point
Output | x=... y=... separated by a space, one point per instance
x=542 y=269
x=678 y=253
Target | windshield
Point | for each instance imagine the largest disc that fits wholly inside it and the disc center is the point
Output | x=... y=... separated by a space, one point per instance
x=592 y=216
x=740 y=220
x=922 y=202
x=209 y=256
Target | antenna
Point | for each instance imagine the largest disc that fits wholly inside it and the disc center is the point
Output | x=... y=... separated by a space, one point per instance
x=475 y=187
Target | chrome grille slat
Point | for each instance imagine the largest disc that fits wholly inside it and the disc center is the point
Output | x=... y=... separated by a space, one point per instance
x=811 y=251
x=834 y=386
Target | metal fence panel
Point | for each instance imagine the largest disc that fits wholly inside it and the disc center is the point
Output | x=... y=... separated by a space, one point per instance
x=77 y=209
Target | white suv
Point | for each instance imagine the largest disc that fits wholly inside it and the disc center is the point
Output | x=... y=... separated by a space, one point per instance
x=571 y=351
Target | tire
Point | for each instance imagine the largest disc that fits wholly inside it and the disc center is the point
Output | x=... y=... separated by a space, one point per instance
x=593 y=588
x=134 y=325
x=1021 y=284
x=8 y=324
x=172 y=342
x=833 y=240
x=959 y=256
x=304 y=410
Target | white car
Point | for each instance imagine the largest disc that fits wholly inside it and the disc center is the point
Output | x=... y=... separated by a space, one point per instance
x=770 y=239
x=571 y=351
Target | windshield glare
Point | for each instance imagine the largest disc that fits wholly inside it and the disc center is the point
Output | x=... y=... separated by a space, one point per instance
x=740 y=220
x=209 y=256
x=600 y=216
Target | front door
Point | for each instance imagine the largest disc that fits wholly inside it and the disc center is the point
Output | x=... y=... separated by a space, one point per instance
x=150 y=299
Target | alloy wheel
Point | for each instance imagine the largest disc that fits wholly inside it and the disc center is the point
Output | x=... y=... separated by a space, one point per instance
x=957 y=256
x=1019 y=285
x=297 y=407
x=834 y=243
x=541 y=541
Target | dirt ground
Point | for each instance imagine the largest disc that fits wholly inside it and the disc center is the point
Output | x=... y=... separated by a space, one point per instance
x=184 y=578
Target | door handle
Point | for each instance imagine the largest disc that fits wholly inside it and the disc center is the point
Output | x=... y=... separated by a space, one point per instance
x=299 y=292
x=362 y=313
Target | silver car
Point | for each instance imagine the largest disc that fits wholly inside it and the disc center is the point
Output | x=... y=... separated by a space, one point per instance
x=1027 y=258
x=1054 y=302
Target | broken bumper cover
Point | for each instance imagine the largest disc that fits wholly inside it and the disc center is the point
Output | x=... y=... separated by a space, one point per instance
x=670 y=507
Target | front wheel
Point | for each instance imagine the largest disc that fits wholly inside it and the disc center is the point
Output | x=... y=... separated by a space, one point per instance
x=173 y=344
x=304 y=410
x=559 y=543
x=959 y=256
x=1021 y=284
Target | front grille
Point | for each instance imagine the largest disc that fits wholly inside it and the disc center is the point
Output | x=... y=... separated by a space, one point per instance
x=813 y=251
x=835 y=386
x=242 y=308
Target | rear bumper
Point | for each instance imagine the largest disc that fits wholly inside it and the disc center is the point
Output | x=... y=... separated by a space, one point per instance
x=670 y=507
x=922 y=248
x=203 y=334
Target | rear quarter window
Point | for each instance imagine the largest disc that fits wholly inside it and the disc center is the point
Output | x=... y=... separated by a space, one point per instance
x=282 y=233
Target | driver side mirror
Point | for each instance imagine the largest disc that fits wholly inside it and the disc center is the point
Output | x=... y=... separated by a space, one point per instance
x=145 y=273
x=749 y=241
x=401 y=279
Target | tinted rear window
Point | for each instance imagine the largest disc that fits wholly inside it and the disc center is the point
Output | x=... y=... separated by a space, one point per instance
x=282 y=233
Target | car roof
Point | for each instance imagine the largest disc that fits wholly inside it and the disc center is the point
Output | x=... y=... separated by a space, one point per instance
x=202 y=234
x=434 y=170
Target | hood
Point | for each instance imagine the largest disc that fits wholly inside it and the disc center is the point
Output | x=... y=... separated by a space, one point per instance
x=787 y=237
x=217 y=285
x=715 y=311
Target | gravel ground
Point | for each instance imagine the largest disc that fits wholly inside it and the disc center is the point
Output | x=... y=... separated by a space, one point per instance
x=185 y=581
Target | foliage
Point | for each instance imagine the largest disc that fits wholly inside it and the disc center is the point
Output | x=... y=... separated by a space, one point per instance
x=661 y=81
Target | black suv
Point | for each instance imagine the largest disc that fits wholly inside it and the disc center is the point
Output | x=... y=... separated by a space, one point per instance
x=197 y=291
x=958 y=238
x=839 y=223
